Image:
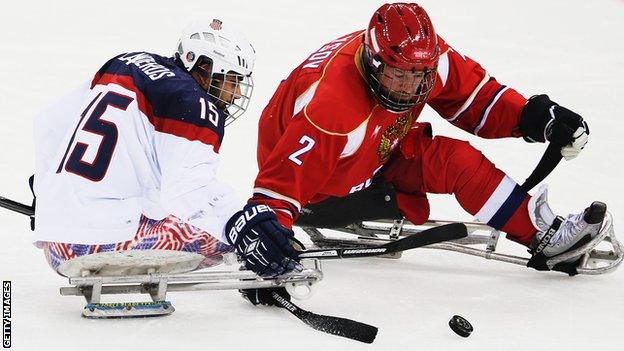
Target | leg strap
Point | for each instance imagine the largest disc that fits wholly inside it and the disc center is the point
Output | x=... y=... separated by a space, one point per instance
x=540 y=262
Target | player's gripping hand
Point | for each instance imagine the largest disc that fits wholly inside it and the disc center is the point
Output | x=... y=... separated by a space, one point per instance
x=262 y=241
x=543 y=119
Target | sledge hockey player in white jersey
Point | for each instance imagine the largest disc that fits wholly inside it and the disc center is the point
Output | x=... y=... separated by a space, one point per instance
x=127 y=164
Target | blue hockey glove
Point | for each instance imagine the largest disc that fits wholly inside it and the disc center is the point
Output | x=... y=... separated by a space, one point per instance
x=543 y=119
x=262 y=241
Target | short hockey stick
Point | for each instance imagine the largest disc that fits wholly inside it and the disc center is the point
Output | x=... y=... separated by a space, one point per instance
x=452 y=231
x=550 y=159
x=17 y=207
x=332 y=325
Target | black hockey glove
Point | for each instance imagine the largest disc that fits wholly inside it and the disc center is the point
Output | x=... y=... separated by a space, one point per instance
x=263 y=296
x=262 y=241
x=543 y=119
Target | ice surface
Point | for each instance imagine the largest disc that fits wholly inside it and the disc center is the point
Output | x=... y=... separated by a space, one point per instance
x=570 y=49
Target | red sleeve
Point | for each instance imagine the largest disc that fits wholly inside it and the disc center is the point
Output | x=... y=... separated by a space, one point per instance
x=469 y=98
x=296 y=169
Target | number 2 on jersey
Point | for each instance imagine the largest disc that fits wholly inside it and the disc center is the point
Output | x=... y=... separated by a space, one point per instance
x=308 y=144
x=94 y=124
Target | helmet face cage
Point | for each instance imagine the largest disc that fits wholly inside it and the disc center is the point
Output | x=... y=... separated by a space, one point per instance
x=397 y=100
x=240 y=94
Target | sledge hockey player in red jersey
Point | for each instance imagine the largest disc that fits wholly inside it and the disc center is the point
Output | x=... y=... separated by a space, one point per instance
x=125 y=166
x=340 y=142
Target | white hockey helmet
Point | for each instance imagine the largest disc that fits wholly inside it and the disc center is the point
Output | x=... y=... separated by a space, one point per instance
x=230 y=53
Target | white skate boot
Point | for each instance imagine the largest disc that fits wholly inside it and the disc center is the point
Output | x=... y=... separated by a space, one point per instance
x=560 y=243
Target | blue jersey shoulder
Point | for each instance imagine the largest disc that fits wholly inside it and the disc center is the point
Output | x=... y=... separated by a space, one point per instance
x=171 y=92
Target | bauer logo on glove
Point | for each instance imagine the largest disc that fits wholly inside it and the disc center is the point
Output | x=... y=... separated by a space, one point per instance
x=244 y=218
x=262 y=241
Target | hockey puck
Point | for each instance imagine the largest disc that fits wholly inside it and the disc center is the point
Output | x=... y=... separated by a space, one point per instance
x=460 y=326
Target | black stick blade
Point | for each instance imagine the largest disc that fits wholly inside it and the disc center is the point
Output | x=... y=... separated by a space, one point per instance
x=451 y=231
x=346 y=328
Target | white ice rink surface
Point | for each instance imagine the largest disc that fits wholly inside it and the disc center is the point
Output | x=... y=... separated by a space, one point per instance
x=571 y=49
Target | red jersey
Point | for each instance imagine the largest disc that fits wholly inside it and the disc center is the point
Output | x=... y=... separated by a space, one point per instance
x=324 y=134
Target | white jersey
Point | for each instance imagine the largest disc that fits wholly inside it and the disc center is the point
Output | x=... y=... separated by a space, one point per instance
x=141 y=139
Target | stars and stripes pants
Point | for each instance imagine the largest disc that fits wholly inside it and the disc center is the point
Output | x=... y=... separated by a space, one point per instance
x=166 y=234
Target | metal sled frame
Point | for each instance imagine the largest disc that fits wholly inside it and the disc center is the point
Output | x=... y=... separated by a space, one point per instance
x=594 y=261
x=157 y=285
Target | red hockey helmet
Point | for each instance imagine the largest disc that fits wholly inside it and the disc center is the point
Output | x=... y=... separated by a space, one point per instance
x=400 y=55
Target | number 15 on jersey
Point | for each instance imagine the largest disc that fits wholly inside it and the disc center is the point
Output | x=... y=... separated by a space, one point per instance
x=74 y=161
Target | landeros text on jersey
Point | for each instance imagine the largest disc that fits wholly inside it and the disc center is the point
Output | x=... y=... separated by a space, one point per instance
x=147 y=64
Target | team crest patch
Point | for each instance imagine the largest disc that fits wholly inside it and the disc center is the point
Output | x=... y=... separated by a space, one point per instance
x=216 y=24
x=190 y=56
x=393 y=135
